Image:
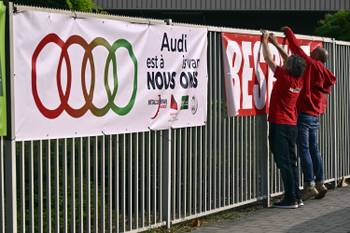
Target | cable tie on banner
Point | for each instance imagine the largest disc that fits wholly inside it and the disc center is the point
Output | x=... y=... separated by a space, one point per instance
x=168 y=21
x=103 y=133
x=15 y=10
x=75 y=16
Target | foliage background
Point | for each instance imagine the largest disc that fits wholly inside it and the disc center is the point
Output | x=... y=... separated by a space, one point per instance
x=77 y=5
x=335 y=25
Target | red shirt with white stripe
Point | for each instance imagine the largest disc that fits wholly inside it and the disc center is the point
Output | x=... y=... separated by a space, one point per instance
x=284 y=97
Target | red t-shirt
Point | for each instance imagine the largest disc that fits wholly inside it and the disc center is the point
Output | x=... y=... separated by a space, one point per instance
x=284 y=97
x=318 y=81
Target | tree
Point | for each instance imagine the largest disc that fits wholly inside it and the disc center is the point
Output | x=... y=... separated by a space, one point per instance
x=76 y=5
x=335 y=25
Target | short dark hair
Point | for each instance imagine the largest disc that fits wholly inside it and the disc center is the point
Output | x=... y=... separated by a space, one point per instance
x=295 y=65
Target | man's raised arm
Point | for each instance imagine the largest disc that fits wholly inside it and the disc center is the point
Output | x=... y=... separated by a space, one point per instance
x=294 y=43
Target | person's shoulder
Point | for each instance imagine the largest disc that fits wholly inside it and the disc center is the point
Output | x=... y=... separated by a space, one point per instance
x=280 y=71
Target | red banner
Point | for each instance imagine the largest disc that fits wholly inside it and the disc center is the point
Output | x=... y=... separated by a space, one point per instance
x=248 y=80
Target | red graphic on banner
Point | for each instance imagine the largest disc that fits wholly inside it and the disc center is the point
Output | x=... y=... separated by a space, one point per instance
x=248 y=80
x=173 y=103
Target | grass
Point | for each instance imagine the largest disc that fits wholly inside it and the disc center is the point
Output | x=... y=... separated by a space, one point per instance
x=228 y=215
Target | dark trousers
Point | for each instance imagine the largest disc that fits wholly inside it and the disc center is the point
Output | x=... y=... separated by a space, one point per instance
x=310 y=157
x=282 y=140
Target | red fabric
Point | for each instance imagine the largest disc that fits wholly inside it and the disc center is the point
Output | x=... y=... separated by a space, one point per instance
x=318 y=81
x=284 y=97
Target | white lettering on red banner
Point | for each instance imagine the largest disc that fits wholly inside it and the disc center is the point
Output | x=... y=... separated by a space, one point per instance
x=248 y=80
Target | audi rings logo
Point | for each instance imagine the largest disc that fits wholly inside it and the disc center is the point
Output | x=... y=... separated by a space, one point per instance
x=88 y=92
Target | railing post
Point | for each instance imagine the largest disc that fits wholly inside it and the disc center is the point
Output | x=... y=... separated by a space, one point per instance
x=266 y=167
x=166 y=192
x=9 y=142
x=334 y=99
x=10 y=186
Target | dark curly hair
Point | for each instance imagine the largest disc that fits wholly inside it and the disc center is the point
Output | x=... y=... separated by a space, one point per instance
x=295 y=65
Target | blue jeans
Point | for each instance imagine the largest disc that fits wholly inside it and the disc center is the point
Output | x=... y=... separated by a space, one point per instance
x=310 y=157
x=282 y=140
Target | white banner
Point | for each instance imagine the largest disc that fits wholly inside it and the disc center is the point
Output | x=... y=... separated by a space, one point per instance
x=87 y=76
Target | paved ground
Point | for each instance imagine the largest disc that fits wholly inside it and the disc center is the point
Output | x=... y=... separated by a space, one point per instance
x=331 y=215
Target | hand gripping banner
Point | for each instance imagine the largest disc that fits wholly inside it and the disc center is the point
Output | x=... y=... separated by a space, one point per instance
x=87 y=76
x=248 y=80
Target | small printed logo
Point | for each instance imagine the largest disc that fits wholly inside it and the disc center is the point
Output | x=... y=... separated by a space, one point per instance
x=161 y=103
x=184 y=102
x=294 y=90
x=194 y=105
x=173 y=103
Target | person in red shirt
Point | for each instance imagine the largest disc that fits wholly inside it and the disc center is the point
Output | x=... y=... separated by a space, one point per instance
x=283 y=119
x=318 y=81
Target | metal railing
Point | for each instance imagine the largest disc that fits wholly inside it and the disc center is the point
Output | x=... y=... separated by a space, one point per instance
x=133 y=182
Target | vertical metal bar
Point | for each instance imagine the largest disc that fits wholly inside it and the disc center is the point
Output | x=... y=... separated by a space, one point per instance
x=65 y=197
x=116 y=183
x=10 y=186
x=110 y=188
x=335 y=119
x=22 y=185
x=48 y=186
x=155 y=155
x=227 y=126
x=190 y=159
x=2 y=193
x=130 y=183
x=73 y=228
x=31 y=187
x=10 y=147
x=250 y=145
x=96 y=186
x=57 y=188
x=167 y=177
x=88 y=186
x=185 y=172
x=149 y=176
x=160 y=175
x=267 y=170
x=81 y=187
x=143 y=174
x=242 y=155
x=124 y=186
x=179 y=172
x=201 y=180
x=210 y=144
x=136 y=178
x=233 y=156
x=174 y=175
x=40 y=184
x=103 y=173
x=195 y=185
x=219 y=121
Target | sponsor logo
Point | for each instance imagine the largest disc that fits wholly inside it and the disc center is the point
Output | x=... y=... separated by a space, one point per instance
x=64 y=91
x=294 y=90
x=173 y=103
x=161 y=103
x=194 y=105
x=184 y=102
